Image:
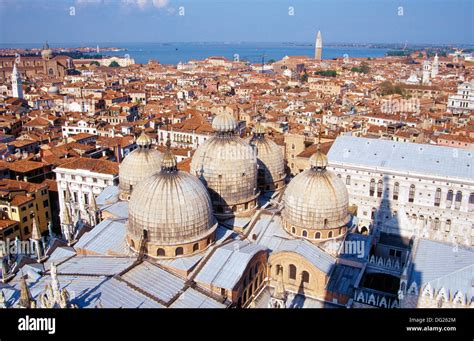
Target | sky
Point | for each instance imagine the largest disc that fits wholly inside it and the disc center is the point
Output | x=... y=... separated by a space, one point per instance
x=352 y=21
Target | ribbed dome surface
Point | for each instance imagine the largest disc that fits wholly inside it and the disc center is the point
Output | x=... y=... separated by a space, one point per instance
x=137 y=166
x=224 y=123
x=316 y=200
x=227 y=165
x=270 y=159
x=174 y=207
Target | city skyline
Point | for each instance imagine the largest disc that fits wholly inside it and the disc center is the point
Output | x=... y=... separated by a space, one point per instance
x=164 y=21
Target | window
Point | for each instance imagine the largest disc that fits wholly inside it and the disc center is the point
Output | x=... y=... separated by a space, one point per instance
x=317 y=235
x=330 y=234
x=75 y=197
x=457 y=202
x=161 y=252
x=26 y=230
x=411 y=194
x=25 y=219
x=449 y=199
x=293 y=230
x=396 y=189
x=437 y=197
x=178 y=251
x=304 y=233
x=379 y=189
x=195 y=247
x=372 y=188
x=292 y=271
x=448 y=225
x=305 y=277
x=348 y=180
x=46 y=214
x=471 y=202
x=436 y=224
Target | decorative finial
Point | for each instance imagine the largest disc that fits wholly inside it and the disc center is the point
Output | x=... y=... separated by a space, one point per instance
x=169 y=164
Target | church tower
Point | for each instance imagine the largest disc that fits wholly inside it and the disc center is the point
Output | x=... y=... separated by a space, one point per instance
x=318 y=50
x=17 y=90
x=435 y=66
x=426 y=72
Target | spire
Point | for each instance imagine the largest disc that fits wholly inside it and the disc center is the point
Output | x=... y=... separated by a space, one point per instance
x=279 y=296
x=3 y=301
x=26 y=300
x=67 y=194
x=318 y=49
x=36 y=233
x=17 y=90
x=169 y=164
x=318 y=160
x=66 y=216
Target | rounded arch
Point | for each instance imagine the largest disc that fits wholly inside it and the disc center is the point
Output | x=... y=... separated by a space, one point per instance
x=178 y=251
x=161 y=252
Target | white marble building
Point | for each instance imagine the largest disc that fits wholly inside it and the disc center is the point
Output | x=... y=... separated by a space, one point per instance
x=83 y=178
x=463 y=100
x=407 y=188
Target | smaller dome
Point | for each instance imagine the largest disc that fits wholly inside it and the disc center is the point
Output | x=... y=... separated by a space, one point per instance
x=46 y=53
x=224 y=123
x=318 y=160
x=258 y=129
x=53 y=90
x=144 y=140
x=169 y=164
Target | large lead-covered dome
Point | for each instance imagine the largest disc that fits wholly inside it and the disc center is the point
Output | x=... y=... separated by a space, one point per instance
x=174 y=209
x=316 y=202
x=271 y=163
x=227 y=166
x=138 y=165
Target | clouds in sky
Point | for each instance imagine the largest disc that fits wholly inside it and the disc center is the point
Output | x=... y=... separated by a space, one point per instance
x=140 y=4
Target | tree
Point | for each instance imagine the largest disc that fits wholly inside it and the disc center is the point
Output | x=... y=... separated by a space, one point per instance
x=114 y=64
x=304 y=77
x=95 y=62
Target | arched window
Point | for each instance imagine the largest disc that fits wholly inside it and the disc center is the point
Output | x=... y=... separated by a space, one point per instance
x=396 y=189
x=132 y=243
x=292 y=271
x=379 y=189
x=449 y=199
x=293 y=230
x=437 y=197
x=195 y=247
x=457 y=202
x=178 y=251
x=161 y=252
x=26 y=230
x=471 y=202
x=411 y=194
x=317 y=235
x=448 y=225
x=208 y=240
x=348 y=180
x=330 y=234
x=305 y=277
x=436 y=224
x=372 y=188
x=304 y=233
x=339 y=176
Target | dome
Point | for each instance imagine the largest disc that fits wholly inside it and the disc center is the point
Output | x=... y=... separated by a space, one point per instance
x=224 y=123
x=270 y=160
x=46 y=53
x=175 y=210
x=227 y=166
x=138 y=165
x=316 y=202
x=53 y=89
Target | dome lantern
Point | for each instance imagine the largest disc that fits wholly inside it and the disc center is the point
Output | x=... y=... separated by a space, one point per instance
x=224 y=124
x=138 y=165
